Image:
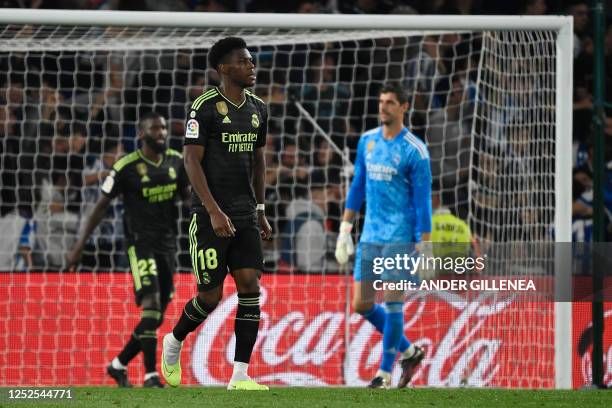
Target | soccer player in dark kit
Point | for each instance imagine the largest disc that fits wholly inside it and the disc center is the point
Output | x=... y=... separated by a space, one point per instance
x=223 y=151
x=149 y=181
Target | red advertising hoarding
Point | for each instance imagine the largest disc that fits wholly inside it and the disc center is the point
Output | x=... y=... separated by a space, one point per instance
x=63 y=329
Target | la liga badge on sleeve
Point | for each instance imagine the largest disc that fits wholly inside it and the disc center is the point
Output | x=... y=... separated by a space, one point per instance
x=192 y=129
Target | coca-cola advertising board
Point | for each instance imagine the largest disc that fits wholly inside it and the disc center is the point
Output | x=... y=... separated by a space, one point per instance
x=63 y=329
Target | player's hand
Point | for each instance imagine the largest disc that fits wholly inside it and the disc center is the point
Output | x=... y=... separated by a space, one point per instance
x=222 y=225
x=265 y=230
x=425 y=248
x=73 y=257
x=344 y=244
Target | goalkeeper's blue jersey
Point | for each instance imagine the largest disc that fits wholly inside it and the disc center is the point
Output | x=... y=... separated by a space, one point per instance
x=395 y=177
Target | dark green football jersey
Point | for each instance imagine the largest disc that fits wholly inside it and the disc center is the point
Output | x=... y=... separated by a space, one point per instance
x=149 y=191
x=230 y=134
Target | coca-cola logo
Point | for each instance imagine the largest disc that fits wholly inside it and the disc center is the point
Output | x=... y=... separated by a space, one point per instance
x=305 y=342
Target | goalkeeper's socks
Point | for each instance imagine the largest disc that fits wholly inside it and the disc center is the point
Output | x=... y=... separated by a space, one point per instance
x=246 y=325
x=392 y=335
x=194 y=313
x=377 y=316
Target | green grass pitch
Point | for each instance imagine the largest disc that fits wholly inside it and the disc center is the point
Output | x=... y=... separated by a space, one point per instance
x=287 y=397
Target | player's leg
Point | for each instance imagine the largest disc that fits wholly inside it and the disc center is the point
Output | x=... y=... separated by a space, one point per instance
x=144 y=274
x=208 y=258
x=167 y=268
x=245 y=259
x=146 y=331
x=364 y=303
x=392 y=335
x=165 y=277
x=145 y=271
x=374 y=313
x=195 y=311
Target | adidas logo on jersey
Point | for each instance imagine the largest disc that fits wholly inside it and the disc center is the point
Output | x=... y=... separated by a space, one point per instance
x=227 y=120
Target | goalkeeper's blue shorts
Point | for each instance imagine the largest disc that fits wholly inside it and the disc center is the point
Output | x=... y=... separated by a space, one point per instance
x=370 y=262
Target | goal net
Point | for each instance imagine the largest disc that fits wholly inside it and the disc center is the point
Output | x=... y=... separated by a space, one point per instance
x=484 y=97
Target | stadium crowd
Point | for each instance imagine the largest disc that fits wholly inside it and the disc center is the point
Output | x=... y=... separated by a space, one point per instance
x=66 y=117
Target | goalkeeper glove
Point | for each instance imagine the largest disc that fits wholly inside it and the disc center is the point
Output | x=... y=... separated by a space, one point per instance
x=425 y=249
x=344 y=244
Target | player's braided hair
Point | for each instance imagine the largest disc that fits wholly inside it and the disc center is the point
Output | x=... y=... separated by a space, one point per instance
x=222 y=48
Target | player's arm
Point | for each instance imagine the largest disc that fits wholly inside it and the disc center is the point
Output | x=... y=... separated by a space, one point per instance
x=183 y=187
x=193 y=155
x=111 y=188
x=354 y=200
x=74 y=256
x=356 y=193
x=259 y=185
x=420 y=176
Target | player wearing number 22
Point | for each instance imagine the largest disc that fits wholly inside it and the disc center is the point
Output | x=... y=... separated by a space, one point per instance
x=149 y=180
x=225 y=135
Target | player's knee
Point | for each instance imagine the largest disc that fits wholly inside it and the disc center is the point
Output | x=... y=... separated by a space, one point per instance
x=210 y=298
x=361 y=306
x=247 y=280
x=151 y=301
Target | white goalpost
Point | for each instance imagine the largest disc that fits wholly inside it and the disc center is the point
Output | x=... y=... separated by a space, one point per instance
x=490 y=95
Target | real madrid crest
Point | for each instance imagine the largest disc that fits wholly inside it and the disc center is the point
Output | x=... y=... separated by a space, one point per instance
x=222 y=108
x=172 y=173
x=370 y=146
x=255 y=121
x=141 y=168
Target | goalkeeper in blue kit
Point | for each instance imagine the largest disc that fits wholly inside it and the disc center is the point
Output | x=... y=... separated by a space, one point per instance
x=393 y=175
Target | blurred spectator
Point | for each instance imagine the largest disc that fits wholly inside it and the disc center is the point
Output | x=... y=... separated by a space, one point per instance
x=106 y=105
x=327 y=159
x=292 y=172
x=304 y=239
x=324 y=96
x=104 y=249
x=403 y=9
x=152 y=5
x=12 y=225
x=9 y=151
x=366 y=6
x=308 y=6
x=424 y=68
x=580 y=11
x=449 y=141
x=534 y=7
x=213 y=6
x=582 y=206
x=56 y=227
x=69 y=159
x=25 y=260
